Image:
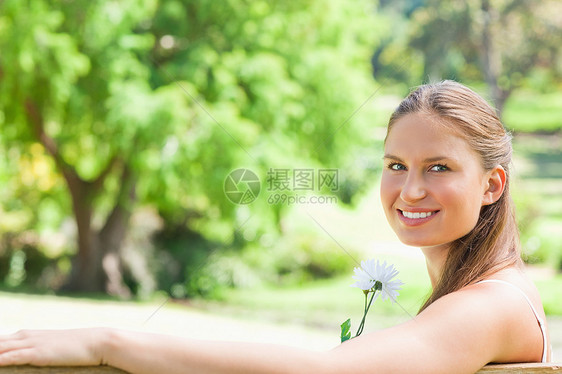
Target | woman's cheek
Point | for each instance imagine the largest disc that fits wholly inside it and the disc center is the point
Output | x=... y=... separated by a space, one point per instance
x=387 y=188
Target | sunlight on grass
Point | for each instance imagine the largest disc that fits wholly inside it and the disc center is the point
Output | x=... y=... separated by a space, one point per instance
x=551 y=294
x=329 y=302
x=528 y=112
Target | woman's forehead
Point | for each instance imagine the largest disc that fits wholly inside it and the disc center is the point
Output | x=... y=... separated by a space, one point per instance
x=422 y=133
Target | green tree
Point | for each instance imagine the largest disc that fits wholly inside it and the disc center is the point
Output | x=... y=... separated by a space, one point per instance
x=503 y=43
x=499 y=42
x=155 y=102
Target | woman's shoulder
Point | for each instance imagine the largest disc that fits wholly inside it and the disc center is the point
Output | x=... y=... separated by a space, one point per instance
x=511 y=286
x=505 y=306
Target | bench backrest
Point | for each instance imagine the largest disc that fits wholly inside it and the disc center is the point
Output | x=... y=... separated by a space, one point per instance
x=522 y=368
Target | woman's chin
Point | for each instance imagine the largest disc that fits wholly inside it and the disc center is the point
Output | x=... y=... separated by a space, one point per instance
x=418 y=242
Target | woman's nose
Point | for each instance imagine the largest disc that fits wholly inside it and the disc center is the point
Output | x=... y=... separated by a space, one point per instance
x=413 y=189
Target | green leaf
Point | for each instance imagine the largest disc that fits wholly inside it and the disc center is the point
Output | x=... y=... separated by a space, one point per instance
x=345 y=330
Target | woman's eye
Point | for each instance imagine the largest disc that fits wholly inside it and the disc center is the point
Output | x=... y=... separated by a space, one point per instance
x=439 y=168
x=396 y=166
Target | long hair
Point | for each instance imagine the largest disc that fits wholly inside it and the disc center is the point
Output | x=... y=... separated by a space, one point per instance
x=493 y=244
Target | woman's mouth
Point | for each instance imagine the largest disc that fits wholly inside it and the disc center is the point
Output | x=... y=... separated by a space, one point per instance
x=416 y=218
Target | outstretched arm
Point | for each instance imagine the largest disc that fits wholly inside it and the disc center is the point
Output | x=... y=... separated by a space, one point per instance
x=141 y=353
x=460 y=332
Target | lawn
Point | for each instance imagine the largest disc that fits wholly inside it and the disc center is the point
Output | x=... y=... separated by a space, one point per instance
x=537 y=190
x=326 y=303
x=527 y=111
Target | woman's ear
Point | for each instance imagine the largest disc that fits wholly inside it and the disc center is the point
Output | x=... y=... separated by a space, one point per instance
x=495 y=184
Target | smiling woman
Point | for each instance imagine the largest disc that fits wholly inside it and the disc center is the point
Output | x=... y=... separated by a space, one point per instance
x=445 y=189
x=457 y=158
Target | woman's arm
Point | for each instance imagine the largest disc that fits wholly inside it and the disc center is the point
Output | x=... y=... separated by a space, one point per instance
x=151 y=353
x=140 y=353
x=460 y=332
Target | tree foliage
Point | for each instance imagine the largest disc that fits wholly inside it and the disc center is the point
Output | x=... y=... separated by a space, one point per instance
x=502 y=43
x=153 y=103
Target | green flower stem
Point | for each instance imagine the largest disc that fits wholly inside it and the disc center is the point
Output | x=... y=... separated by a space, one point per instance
x=362 y=324
x=366 y=310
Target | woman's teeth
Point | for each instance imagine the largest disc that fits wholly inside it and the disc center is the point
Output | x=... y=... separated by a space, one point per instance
x=417 y=214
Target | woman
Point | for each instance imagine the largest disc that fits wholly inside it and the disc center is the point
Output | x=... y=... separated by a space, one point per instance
x=445 y=189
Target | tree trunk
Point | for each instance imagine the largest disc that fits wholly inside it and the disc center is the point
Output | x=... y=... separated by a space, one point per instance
x=111 y=237
x=85 y=274
x=491 y=60
x=97 y=264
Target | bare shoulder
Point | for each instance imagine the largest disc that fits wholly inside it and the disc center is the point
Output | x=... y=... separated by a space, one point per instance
x=496 y=315
x=522 y=307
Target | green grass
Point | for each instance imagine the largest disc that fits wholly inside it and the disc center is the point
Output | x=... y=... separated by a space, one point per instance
x=527 y=111
x=551 y=294
x=329 y=302
x=538 y=157
x=537 y=190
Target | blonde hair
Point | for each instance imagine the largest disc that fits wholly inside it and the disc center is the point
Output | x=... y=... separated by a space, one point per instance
x=493 y=244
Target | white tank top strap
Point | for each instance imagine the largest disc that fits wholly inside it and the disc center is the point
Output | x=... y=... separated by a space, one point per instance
x=539 y=319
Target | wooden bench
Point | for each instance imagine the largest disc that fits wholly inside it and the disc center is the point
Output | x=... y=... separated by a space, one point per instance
x=522 y=368
x=488 y=369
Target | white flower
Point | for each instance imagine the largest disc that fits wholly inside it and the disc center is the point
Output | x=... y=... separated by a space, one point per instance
x=373 y=276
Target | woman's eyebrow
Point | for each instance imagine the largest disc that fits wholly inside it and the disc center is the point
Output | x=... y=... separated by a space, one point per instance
x=437 y=158
x=392 y=157
x=427 y=160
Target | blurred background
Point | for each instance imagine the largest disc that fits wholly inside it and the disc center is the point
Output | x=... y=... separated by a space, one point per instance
x=121 y=122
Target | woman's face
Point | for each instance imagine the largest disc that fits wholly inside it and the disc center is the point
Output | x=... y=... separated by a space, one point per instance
x=432 y=182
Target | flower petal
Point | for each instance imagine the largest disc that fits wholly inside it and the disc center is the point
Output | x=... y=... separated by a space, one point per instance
x=372 y=271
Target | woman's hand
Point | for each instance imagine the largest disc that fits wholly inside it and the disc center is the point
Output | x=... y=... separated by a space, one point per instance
x=81 y=347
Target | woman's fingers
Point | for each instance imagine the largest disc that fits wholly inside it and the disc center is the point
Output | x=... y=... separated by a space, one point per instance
x=50 y=347
x=15 y=356
x=11 y=345
x=16 y=349
x=11 y=342
x=21 y=335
